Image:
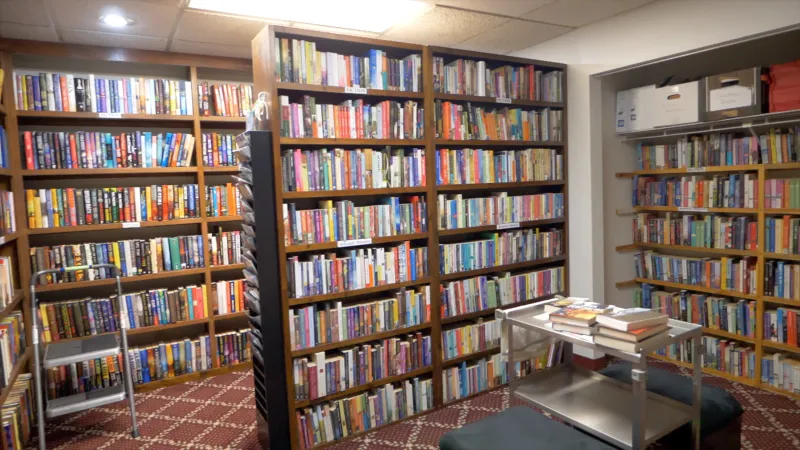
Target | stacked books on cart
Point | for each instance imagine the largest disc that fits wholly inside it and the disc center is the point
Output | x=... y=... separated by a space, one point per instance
x=626 y=329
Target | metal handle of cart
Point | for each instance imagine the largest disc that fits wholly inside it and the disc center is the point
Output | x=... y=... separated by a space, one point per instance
x=35 y=332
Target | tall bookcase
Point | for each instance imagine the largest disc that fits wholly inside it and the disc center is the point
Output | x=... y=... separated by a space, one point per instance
x=50 y=57
x=266 y=57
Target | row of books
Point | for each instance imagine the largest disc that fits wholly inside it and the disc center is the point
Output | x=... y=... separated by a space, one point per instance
x=486 y=292
x=458 y=122
x=464 y=379
x=5 y=163
x=717 y=313
x=499 y=249
x=230 y=296
x=782 y=279
x=362 y=412
x=457 y=212
x=780 y=234
x=162 y=306
x=70 y=207
x=225 y=248
x=468 y=339
x=478 y=166
x=469 y=77
x=299 y=61
x=351 y=119
x=133 y=257
x=233 y=347
x=218 y=149
x=780 y=146
x=732 y=357
x=105 y=150
x=222 y=201
x=6 y=281
x=782 y=193
x=781 y=371
x=730 y=274
x=340 y=169
x=8 y=221
x=780 y=325
x=19 y=413
x=71 y=93
x=319 y=324
x=343 y=220
x=708 y=150
x=356 y=269
x=86 y=376
x=12 y=345
x=224 y=99
x=324 y=374
x=722 y=191
x=707 y=231
x=87 y=317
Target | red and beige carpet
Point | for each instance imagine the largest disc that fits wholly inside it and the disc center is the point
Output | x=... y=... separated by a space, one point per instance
x=219 y=413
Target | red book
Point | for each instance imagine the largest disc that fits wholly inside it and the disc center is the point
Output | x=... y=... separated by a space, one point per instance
x=29 y=161
x=64 y=93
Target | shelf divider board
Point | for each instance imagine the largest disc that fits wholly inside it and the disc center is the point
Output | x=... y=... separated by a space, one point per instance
x=760 y=288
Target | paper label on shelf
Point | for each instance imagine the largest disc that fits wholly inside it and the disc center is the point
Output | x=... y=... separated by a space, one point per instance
x=353 y=242
x=105 y=115
x=2 y=240
x=730 y=97
x=695 y=169
x=691 y=209
x=505 y=100
x=131 y=225
x=506 y=226
x=355 y=90
x=747 y=124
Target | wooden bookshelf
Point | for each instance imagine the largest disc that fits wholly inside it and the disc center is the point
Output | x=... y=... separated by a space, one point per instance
x=142 y=61
x=265 y=80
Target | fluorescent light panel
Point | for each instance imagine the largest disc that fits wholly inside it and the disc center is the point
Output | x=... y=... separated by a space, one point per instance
x=366 y=15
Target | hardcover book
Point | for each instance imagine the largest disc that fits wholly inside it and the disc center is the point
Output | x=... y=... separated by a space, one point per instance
x=579 y=313
x=625 y=319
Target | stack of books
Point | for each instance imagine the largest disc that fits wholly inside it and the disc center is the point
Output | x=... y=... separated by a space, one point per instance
x=628 y=329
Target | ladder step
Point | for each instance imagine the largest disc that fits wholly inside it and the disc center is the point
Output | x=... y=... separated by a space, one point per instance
x=62 y=353
x=85 y=400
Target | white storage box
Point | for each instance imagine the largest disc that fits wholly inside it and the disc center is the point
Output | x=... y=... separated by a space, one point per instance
x=640 y=101
x=678 y=104
x=623 y=112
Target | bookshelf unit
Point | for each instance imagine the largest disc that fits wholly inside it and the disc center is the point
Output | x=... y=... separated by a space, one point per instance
x=40 y=56
x=284 y=417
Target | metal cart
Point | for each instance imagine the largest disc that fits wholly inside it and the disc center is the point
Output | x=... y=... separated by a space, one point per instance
x=624 y=415
x=76 y=351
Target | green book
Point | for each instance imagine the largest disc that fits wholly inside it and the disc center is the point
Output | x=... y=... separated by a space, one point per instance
x=174 y=253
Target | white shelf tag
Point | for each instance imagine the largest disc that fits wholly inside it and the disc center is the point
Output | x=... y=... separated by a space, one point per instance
x=747 y=124
x=2 y=240
x=354 y=242
x=695 y=169
x=355 y=90
x=689 y=209
x=131 y=224
x=105 y=115
x=506 y=226
x=505 y=100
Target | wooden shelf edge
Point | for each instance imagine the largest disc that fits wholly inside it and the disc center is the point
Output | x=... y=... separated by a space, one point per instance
x=346 y=141
x=691 y=171
x=696 y=210
x=12 y=305
x=729 y=335
x=779 y=346
x=471 y=396
x=489 y=142
x=302 y=87
x=782 y=256
x=690 y=287
x=687 y=248
x=626 y=284
x=19 y=367
x=532 y=223
x=359 y=340
x=112 y=172
x=115 y=226
x=476 y=355
x=9 y=238
x=300 y=248
x=140 y=330
x=355 y=192
x=232 y=315
x=123 y=280
x=486 y=99
x=781 y=301
x=347 y=295
x=96 y=116
x=707 y=370
x=486 y=312
x=503 y=268
x=157 y=384
x=487 y=186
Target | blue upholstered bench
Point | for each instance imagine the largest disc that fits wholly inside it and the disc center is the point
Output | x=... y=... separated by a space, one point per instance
x=518 y=428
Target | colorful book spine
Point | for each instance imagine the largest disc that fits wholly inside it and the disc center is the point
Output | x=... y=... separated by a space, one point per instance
x=18 y=412
x=162 y=306
x=4 y=161
x=456 y=121
x=357 y=269
x=224 y=99
x=351 y=119
x=87 y=376
x=721 y=191
x=223 y=201
x=477 y=166
x=779 y=146
x=730 y=274
x=299 y=61
x=167 y=360
x=780 y=325
x=706 y=231
x=781 y=235
x=456 y=212
x=322 y=374
x=319 y=324
x=468 y=339
x=468 y=378
x=731 y=357
x=229 y=296
x=225 y=248
x=339 y=169
x=708 y=150
x=218 y=149
x=6 y=281
x=782 y=279
x=12 y=345
x=499 y=249
x=469 y=77
x=343 y=220
x=80 y=318
x=8 y=222
x=233 y=347
x=102 y=150
x=485 y=292
x=781 y=371
x=782 y=194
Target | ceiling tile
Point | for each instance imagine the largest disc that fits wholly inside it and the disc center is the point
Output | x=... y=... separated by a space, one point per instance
x=513 y=8
x=210 y=49
x=113 y=39
x=444 y=26
x=30 y=32
x=577 y=13
x=149 y=19
x=217 y=29
x=513 y=35
x=27 y=12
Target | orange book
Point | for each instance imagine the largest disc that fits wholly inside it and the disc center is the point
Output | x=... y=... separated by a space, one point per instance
x=228 y=94
x=73 y=213
x=64 y=93
x=786 y=240
x=231 y=199
x=173 y=160
x=73 y=150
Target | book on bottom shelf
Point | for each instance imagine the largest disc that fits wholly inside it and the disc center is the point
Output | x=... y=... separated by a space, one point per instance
x=12 y=345
x=18 y=413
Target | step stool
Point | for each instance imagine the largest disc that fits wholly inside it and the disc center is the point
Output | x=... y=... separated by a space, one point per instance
x=77 y=351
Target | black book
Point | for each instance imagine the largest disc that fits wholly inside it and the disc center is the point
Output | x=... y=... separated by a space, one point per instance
x=80 y=95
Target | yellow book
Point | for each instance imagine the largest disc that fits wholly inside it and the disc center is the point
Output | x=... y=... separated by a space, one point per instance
x=56 y=215
x=115 y=247
x=237 y=297
x=2 y=77
x=205 y=301
x=148 y=202
x=170 y=361
x=724 y=273
x=173 y=97
x=395 y=312
x=31 y=202
x=773 y=146
x=45 y=322
x=104 y=369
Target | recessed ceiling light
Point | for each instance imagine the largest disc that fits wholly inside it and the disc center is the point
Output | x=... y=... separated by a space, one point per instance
x=115 y=20
x=365 y=15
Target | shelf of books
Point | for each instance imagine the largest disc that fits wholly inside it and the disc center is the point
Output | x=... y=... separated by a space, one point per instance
x=126 y=162
x=434 y=165
x=715 y=231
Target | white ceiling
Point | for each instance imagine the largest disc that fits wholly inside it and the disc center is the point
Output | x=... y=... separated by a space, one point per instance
x=495 y=26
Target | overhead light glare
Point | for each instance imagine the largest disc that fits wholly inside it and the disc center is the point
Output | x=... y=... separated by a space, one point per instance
x=115 y=20
x=364 y=15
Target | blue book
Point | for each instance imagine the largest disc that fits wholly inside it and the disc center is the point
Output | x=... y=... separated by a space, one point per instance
x=57 y=93
x=100 y=90
x=37 y=96
x=187 y=351
x=165 y=252
x=162 y=350
x=169 y=141
x=144 y=365
x=129 y=307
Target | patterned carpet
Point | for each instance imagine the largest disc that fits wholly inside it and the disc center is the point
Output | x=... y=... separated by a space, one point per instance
x=218 y=413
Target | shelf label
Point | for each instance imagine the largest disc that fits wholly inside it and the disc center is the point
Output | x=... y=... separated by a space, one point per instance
x=2 y=240
x=105 y=115
x=354 y=242
x=747 y=124
x=355 y=90
x=690 y=209
x=505 y=100
x=695 y=169
x=506 y=226
x=131 y=224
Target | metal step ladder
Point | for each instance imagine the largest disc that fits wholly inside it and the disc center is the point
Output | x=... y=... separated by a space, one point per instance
x=77 y=351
